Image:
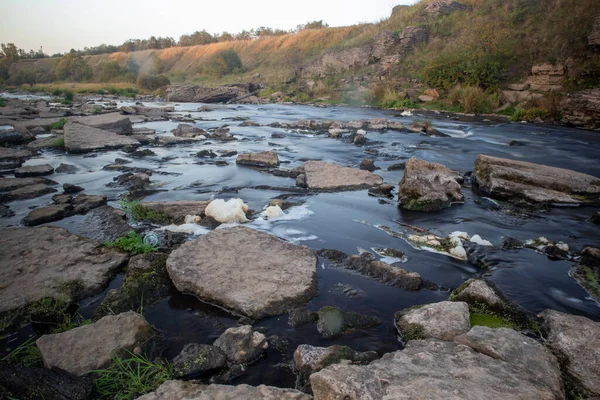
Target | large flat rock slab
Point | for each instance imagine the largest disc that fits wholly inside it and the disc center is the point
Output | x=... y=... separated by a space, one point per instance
x=443 y=320
x=520 y=181
x=113 y=122
x=577 y=340
x=430 y=369
x=332 y=177
x=246 y=271
x=180 y=390
x=429 y=186
x=90 y=347
x=50 y=261
x=80 y=138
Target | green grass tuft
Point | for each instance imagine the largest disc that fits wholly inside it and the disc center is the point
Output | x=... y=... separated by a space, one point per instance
x=131 y=376
x=491 y=321
x=26 y=354
x=139 y=213
x=132 y=243
x=2 y=102
x=60 y=124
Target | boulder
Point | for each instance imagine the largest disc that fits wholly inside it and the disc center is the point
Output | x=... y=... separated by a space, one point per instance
x=478 y=291
x=112 y=122
x=80 y=138
x=367 y=165
x=24 y=188
x=431 y=369
x=181 y=390
x=576 y=341
x=34 y=170
x=91 y=347
x=12 y=137
x=265 y=159
x=176 y=211
x=428 y=186
x=524 y=182
x=66 y=169
x=247 y=271
x=530 y=356
x=131 y=181
x=197 y=359
x=21 y=382
x=333 y=321
x=331 y=177
x=43 y=215
x=199 y=94
x=71 y=189
x=442 y=321
x=104 y=224
x=582 y=109
x=310 y=359
x=145 y=283
x=51 y=262
x=188 y=131
x=242 y=345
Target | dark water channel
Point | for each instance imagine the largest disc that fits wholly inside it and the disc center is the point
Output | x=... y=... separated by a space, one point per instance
x=344 y=221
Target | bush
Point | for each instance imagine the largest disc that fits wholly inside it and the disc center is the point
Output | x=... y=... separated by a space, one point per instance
x=473 y=99
x=139 y=213
x=68 y=95
x=531 y=114
x=73 y=67
x=107 y=71
x=152 y=82
x=225 y=62
x=446 y=71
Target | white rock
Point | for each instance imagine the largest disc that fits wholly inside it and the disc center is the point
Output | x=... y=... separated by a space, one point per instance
x=455 y=240
x=459 y=252
x=273 y=212
x=478 y=240
x=232 y=210
x=361 y=132
x=563 y=246
x=461 y=235
x=192 y=219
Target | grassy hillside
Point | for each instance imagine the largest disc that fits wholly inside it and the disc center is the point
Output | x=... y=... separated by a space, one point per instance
x=490 y=44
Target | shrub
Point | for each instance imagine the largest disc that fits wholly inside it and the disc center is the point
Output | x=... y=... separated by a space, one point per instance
x=152 y=82
x=446 y=71
x=473 y=99
x=139 y=213
x=68 y=95
x=224 y=63
x=132 y=243
x=73 y=67
x=107 y=71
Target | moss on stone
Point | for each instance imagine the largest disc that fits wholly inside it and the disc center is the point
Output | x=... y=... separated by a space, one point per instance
x=490 y=320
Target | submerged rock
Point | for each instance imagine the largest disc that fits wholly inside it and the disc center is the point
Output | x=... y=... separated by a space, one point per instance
x=104 y=224
x=384 y=272
x=265 y=159
x=246 y=271
x=51 y=262
x=198 y=359
x=432 y=369
x=34 y=170
x=145 y=283
x=310 y=359
x=242 y=345
x=5 y=211
x=81 y=138
x=524 y=182
x=333 y=321
x=188 y=131
x=90 y=347
x=444 y=321
x=428 y=186
x=181 y=390
x=576 y=341
x=331 y=177
x=300 y=316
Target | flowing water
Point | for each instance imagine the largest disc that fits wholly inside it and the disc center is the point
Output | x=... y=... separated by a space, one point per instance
x=345 y=221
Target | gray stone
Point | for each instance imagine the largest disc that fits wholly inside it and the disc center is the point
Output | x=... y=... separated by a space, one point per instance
x=331 y=177
x=180 y=390
x=90 y=347
x=9 y=184
x=84 y=203
x=530 y=356
x=49 y=261
x=430 y=369
x=428 y=186
x=443 y=321
x=266 y=159
x=104 y=224
x=199 y=94
x=52 y=142
x=13 y=158
x=310 y=359
x=81 y=138
x=520 y=181
x=47 y=214
x=477 y=291
x=196 y=359
x=188 y=131
x=112 y=122
x=242 y=345
x=5 y=212
x=66 y=169
x=576 y=341
x=176 y=211
x=246 y=271
x=34 y=170
x=384 y=272
x=367 y=165
x=69 y=188
x=11 y=137
x=27 y=192
x=300 y=316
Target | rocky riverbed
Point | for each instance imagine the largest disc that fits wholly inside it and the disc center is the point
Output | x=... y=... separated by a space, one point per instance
x=298 y=251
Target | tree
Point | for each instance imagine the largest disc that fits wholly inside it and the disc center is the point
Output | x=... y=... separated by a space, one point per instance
x=73 y=67
x=313 y=25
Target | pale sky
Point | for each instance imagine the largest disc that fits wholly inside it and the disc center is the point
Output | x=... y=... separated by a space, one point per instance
x=59 y=25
